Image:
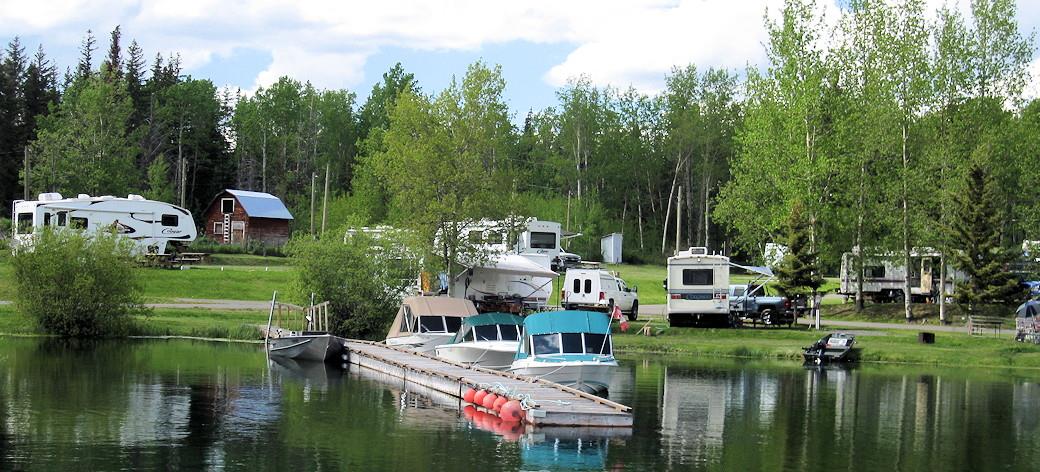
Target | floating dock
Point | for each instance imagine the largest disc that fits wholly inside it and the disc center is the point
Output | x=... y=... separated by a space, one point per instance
x=552 y=404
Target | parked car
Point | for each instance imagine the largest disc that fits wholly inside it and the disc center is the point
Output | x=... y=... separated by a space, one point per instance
x=565 y=260
x=751 y=304
x=598 y=290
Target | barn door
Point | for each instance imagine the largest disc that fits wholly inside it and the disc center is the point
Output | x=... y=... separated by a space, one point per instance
x=238 y=231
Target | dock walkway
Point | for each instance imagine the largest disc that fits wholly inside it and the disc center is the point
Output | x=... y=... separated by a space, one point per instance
x=553 y=404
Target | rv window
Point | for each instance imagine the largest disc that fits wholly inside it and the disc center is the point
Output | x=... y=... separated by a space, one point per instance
x=543 y=240
x=510 y=332
x=62 y=218
x=496 y=237
x=476 y=237
x=429 y=324
x=588 y=285
x=546 y=343
x=453 y=323
x=227 y=205
x=572 y=343
x=486 y=333
x=577 y=286
x=595 y=342
x=24 y=225
x=78 y=223
x=698 y=276
x=169 y=220
x=738 y=291
x=874 y=272
x=46 y=219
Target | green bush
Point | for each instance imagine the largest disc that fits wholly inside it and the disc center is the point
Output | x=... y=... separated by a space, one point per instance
x=256 y=248
x=74 y=285
x=363 y=279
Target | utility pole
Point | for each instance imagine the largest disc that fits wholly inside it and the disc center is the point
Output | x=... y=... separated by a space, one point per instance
x=25 y=193
x=678 y=218
x=325 y=201
x=313 y=176
x=184 y=178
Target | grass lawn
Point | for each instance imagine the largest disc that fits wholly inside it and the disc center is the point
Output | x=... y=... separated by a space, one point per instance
x=231 y=283
x=247 y=260
x=888 y=346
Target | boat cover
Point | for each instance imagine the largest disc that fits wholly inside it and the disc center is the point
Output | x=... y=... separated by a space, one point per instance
x=515 y=264
x=426 y=306
x=485 y=319
x=566 y=321
x=1028 y=309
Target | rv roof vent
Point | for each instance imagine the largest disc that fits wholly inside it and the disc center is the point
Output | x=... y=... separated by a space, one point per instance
x=698 y=251
x=49 y=197
x=106 y=197
x=134 y=196
x=83 y=195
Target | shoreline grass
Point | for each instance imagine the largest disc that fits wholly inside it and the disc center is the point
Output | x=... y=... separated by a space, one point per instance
x=163 y=322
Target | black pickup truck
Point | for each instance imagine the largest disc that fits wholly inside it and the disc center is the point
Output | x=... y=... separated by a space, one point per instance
x=755 y=307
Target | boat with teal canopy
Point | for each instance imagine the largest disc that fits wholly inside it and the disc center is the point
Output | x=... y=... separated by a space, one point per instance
x=569 y=347
x=487 y=340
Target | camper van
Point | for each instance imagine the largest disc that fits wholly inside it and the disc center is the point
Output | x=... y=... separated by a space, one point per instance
x=154 y=227
x=597 y=290
x=698 y=288
x=884 y=274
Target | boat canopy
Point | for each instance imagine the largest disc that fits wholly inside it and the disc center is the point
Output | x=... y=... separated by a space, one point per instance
x=513 y=264
x=566 y=321
x=487 y=319
x=1028 y=309
x=412 y=308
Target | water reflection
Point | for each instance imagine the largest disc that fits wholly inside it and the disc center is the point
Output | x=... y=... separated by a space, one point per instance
x=193 y=405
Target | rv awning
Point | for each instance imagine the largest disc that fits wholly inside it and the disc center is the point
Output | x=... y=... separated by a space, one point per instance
x=761 y=270
x=516 y=265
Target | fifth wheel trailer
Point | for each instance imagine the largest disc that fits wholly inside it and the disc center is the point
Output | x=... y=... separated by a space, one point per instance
x=154 y=227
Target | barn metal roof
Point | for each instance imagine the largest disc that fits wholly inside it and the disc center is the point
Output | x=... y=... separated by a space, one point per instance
x=261 y=205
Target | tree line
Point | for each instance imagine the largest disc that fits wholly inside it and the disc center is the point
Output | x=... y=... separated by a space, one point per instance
x=869 y=124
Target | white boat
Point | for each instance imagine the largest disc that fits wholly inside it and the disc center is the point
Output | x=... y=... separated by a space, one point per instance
x=304 y=345
x=423 y=323
x=487 y=340
x=571 y=348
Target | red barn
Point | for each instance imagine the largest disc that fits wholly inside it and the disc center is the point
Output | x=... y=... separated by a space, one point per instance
x=240 y=216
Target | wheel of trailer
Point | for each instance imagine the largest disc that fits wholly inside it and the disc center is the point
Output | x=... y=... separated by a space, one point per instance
x=767 y=317
x=632 y=315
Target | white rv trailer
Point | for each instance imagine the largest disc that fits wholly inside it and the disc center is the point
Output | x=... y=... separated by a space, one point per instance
x=154 y=227
x=698 y=288
x=884 y=274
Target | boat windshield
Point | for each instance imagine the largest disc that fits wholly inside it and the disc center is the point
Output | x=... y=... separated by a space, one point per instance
x=486 y=333
x=431 y=324
x=546 y=343
x=597 y=344
x=510 y=332
x=453 y=323
x=572 y=343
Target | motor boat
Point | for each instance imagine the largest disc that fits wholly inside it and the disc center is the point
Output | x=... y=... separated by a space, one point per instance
x=569 y=347
x=487 y=340
x=834 y=347
x=423 y=323
x=304 y=345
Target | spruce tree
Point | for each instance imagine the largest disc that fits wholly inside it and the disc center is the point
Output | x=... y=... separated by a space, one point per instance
x=975 y=235
x=85 y=68
x=799 y=271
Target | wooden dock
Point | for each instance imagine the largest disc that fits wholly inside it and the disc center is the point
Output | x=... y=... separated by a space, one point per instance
x=551 y=404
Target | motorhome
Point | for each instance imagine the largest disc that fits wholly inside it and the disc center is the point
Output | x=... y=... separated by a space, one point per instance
x=884 y=273
x=154 y=227
x=698 y=288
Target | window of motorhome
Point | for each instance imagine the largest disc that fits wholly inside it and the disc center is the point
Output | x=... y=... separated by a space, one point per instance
x=540 y=240
x=496 y=237
x=46 y=219
x=698 y=276
x=62 y=218
x=874 y=272
x=227 y=205
x=170 y=220
x=78 y=222
x=476 y=237
x=24 y=223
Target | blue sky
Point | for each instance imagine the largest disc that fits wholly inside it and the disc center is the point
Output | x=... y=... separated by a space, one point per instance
x=349 y=44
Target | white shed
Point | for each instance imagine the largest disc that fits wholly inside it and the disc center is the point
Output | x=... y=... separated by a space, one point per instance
x=610 y=248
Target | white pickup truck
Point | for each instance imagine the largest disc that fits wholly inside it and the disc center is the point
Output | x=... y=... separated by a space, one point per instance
x=598 y=289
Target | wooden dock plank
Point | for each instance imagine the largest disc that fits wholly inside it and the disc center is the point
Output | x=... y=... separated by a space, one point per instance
x=554 y=404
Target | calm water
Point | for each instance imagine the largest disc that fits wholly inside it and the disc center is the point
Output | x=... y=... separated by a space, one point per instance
x=194 y=405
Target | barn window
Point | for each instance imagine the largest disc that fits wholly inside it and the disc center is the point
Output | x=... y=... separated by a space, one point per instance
x=227 y=205
x=170 y=220
x=218 y=227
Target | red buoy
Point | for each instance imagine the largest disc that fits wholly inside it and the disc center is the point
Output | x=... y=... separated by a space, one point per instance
x=468 y=411
x=511 y=411
x=489 y=400
x=478 y=397
x=498 y=403
x=468 y=396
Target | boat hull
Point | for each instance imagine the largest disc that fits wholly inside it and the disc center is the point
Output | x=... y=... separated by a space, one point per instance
x=591 y=377
x=496 y=355
x=421 y=342
x=306 y=347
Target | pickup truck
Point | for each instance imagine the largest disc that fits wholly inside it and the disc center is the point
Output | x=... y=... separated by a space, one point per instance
x=751 y=304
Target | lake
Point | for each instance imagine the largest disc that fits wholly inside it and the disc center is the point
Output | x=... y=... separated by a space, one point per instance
x=179 y=404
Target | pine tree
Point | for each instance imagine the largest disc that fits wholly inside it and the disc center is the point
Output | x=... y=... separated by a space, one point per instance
x=134 y=84
x=975 y=237
x=113 y=65
x=40 y=90
x=86 y=57
x=799 y=272
x=12 y=121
